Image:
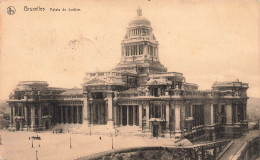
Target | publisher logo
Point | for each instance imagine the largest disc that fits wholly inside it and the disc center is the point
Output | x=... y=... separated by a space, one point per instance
x=11 y=10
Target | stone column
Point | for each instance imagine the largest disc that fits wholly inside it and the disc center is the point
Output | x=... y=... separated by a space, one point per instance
x=236 y=113
x=140 y=116
x=21 y=125
x=11 y=117
x=78 y=114
x=25 y=118
x=138 y=50
x=121 y=115
x=61 y=116
x=228 y=108
x=98 y=113
x=115 y=115
x=40 y=116
x=33 y=118
x=14 y=122
x=66 y=114
x=177 y=121
x=134 y=118
x=127 y=115
x=71 y=114
x=110 y=108
x=147 y=116
x=191 y=111
x=245 y=118
x=167 y=117
x=85 y=107
x=211 y=114
x=92 y=114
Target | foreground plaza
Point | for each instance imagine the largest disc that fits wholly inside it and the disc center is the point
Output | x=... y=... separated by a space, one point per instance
x=16 y=145
x=137 y=92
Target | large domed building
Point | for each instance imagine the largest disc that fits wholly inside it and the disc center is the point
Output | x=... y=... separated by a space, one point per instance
x=137 y=92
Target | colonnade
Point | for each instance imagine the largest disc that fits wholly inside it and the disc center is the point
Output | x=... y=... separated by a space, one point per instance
x=69 y=114
x=128 y=115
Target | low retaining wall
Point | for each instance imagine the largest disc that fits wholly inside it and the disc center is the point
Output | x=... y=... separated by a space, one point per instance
x=249 y=150
x=202 y=151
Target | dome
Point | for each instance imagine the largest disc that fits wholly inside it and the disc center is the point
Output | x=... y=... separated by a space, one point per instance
x=139 y=19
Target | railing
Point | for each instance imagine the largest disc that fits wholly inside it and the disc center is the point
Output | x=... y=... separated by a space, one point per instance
x=198 y=152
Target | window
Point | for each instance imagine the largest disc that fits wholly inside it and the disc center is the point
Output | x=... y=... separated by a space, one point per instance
x=222 y=108
x=100 y=74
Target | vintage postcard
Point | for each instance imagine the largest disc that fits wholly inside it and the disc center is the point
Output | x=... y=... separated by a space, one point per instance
x=134 y=79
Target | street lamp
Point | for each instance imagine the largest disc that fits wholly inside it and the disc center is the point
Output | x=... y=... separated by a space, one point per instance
x=112 y=144
x=32 y=142
x=36 y=155
x=70 y=143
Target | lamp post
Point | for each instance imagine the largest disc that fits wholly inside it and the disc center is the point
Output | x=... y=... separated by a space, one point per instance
x=32 y=142
x=36 y=155
x=70 y=143
x=112 y=144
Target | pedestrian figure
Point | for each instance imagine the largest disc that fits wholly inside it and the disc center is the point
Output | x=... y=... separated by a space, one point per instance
x=100 y=138
x=29 y=138
x=39 y=145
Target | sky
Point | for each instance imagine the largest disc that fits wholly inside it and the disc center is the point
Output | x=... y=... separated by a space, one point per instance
x=207 y=41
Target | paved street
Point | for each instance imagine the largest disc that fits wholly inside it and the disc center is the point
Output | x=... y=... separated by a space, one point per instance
x=16 y=145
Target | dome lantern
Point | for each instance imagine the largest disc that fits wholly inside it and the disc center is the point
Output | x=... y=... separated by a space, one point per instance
x=139 y=11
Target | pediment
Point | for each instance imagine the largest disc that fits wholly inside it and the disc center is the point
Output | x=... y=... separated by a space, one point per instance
x=96 y=81
x=158 y=82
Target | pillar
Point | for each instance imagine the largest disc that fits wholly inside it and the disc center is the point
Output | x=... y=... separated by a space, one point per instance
x=78 y=114
x=98 y=113
x=92 y=114
x=177 y=121
x=236 y=113
x=134 y=118
x=228 y=126
x=66 y=114
x=121 y=115
x=115 y=115
x=71 y=114
x=147 y=116
x=140 y=116
x=25 y=118
x=191 y=111
x=211 y=114
x=32 y=117
x=40 y=116
x=167 y=117
x=228 y=108
x=61 y=114
x=11 y=117
x=21 y=125
x=110 y=108
x=85 y=107
x=245 y=118
x=127 y=115
x=138 y=53
x=14 y=122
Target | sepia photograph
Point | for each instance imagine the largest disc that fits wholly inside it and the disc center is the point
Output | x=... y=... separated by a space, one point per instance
x=129 y=80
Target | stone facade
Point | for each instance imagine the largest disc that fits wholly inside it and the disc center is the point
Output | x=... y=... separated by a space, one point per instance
x=35 y=106
x=138 y=92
